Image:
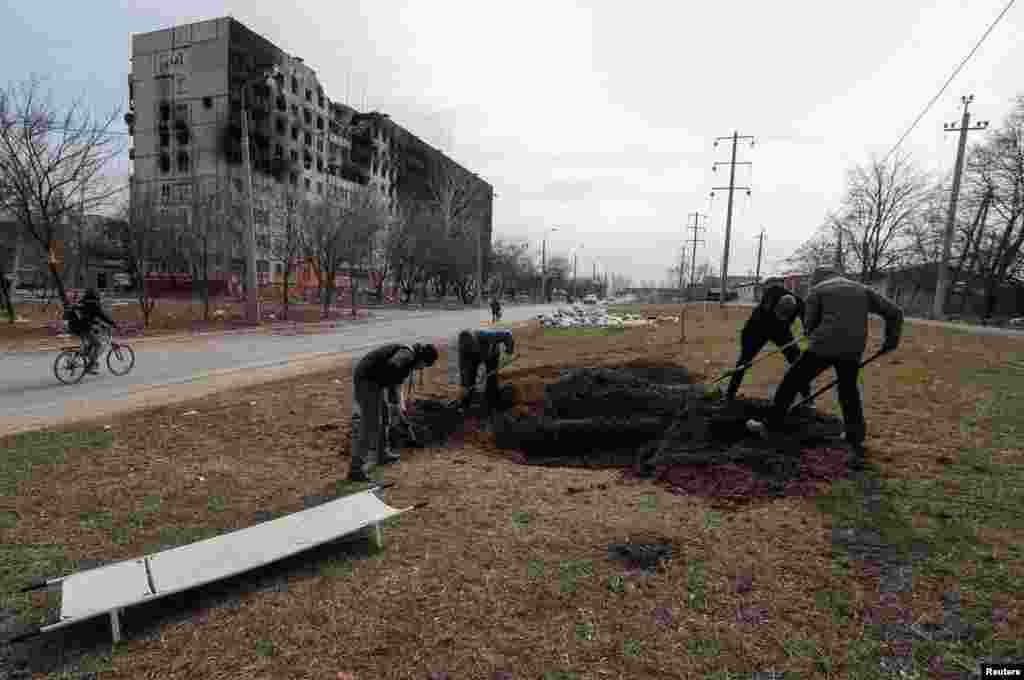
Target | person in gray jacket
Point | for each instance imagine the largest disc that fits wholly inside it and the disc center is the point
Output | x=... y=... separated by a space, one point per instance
x=836 y=326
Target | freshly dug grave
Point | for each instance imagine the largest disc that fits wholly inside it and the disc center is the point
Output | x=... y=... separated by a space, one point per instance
x=656 y=423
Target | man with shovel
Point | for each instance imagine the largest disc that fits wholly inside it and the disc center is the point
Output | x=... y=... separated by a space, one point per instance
x=377 y=402
x=772 y=319
x=836 y=325
x=482 y=347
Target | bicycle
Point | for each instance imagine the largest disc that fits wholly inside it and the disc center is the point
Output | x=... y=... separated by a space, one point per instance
x=69 y=366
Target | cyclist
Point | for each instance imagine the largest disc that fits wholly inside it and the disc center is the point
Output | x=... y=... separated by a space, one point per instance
x=82 y=320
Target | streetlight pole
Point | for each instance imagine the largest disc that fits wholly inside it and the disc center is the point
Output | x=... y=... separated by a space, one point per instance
x=544 y=265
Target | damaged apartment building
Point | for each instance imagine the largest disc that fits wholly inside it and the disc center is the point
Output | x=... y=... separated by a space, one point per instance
x=187 y=90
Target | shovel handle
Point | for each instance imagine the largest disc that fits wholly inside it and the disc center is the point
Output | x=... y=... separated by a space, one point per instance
x=835 y=382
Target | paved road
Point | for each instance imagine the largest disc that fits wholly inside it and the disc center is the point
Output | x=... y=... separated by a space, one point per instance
x=29 y=388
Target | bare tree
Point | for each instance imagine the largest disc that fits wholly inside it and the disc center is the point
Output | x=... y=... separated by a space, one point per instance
x=288 y=242
x=817 y=251
x=361 y=220
x=883 y=199
x=208 y=234
x=144 y=238
x=507 y=259
x=325 y=248
x=996 y=169
x=52 y=164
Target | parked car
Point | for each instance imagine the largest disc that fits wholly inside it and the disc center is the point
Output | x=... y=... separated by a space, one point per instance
x=590 y=299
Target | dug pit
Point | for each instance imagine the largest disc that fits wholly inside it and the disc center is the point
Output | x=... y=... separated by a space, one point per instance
x=654 y=422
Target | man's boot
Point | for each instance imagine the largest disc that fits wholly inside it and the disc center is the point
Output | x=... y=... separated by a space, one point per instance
x=387 y=456
x=358 y=473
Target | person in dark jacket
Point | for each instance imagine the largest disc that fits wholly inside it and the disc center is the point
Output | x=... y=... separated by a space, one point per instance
x=836 y=323
x=82 y=320
x=482 y=347
x=376 y=379
x=495 y=310
x=772 y=319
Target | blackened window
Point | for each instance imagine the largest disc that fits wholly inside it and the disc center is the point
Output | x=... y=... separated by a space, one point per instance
x=294 y=178
x=183 y=161
x=309 y=139
x=295 y=132
x=319 y=164
x=295 y=85
x=165 y=111
x=307 y=184
x=295 y=156
x=309 y=95
x=308 y=116
x=280 y=126
x=319 y=123
x=320 y=187
x=165 y=139
x=165 y=163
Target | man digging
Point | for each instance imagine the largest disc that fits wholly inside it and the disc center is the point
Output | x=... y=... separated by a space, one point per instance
x=377 y=378
x=482 y=347
x=836 y=325
x=772 y=319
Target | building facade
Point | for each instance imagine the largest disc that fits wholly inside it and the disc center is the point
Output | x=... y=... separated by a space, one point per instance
x=188 y=88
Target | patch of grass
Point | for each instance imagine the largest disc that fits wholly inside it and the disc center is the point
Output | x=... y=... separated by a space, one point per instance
x=215 y=504
x=837 y=602
x=521 y=519
x=151 y=503
x=265 y=648
x=559 y=675
x=336 y=567
x=21 y=565
x=648 y=502
x=172 y=536
x=616 y=584
x=695 y=586
x=31 y=449
x=631 y=648
x=346 y=488
x=535 y=569
x=97 y=520
x=8 y=519
x=703 y=647
x=571 y=572
x=799 y=648
x=585 y=631
x=582 y=332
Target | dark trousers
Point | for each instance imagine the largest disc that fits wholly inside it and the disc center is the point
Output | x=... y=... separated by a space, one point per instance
x=808 y=367
x=470 y=367
x=752 y=342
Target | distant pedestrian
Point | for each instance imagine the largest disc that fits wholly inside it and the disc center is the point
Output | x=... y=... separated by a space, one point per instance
x=377 y=402
x=772 y=319
x=836 y=324
x=495 y=310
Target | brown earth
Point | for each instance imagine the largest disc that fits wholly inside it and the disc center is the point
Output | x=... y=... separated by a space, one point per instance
x=506 y=570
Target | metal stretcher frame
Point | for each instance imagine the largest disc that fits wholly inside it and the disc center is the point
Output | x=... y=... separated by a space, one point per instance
x=111 y=588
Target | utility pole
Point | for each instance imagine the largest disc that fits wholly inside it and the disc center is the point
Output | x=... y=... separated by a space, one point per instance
x=942 y=284
x=682 y=266
x=736 y=137
x=757 y=276
x=694 y=241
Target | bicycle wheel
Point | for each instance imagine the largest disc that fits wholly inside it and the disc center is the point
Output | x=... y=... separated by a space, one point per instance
x=120 y=359
x=69 y=367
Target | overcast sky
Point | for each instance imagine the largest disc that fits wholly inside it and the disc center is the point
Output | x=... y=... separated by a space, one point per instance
x=599 y=118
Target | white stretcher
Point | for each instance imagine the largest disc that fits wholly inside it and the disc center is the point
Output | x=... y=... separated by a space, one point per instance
x=111 y=588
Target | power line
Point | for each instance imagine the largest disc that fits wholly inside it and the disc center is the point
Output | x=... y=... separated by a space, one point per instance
x=949 y=80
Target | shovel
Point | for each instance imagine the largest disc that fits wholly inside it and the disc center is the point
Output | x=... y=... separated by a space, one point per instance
x=743 y=367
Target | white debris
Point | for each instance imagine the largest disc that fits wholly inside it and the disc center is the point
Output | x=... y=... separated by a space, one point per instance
x=597 y=316
x=190 y=413
x=252 y=403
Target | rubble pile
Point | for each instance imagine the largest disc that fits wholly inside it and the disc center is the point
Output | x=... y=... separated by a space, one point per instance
x=597 y=316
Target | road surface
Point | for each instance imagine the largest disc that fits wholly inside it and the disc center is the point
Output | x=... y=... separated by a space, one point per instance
x=30 y=393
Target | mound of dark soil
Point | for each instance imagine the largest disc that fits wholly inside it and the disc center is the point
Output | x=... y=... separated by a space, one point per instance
x=435 y=423
x=676 y=434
